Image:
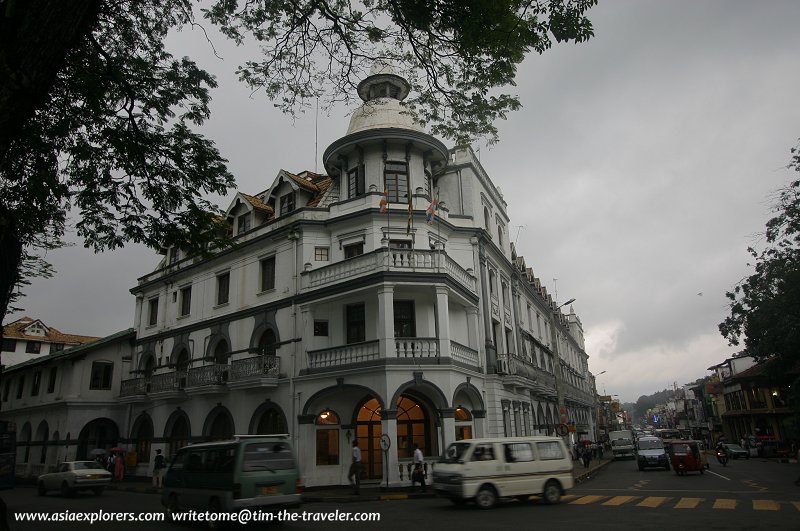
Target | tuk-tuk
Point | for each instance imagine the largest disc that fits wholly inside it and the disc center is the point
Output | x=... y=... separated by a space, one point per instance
x=687 y=456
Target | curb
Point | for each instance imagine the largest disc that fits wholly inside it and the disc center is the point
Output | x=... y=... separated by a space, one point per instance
x=588 y=474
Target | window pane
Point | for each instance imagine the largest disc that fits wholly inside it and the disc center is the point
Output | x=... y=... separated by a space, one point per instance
x=153 y=312
x=268 y=273
x=549 y=450
x=356 y=249
x=327 y=446
x=186 y=300
x=321 y=254
x=223 y=288
x=356 y=324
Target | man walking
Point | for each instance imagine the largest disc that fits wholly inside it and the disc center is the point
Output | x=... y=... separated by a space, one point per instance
x=418 y=475
x=159 y=466
x=355 y=468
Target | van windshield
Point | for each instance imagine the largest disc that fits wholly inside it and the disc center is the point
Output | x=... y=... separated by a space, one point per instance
x=270 y=456
x=650 y=445
x=455 y=452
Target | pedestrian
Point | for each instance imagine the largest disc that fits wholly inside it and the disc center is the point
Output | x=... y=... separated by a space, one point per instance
x=119 y=468
x=587 y=457
x=355 y=468
x=159 y=466
x=110 y=463
x=418 y=475
x=600 y=451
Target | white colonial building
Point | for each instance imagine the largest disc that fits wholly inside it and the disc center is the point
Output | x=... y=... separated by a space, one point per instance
x=334 y=318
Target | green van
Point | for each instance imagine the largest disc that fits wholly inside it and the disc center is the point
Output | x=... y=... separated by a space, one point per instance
x=248 y=472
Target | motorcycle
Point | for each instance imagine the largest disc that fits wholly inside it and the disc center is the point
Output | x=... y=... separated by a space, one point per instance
x=722 y=457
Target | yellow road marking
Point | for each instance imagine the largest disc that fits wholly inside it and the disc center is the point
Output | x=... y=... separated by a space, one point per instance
x=765 y=505
x=585 y=500
x=796 y=505
x=725 y=503
x=652 y=501
x=688 y=503
x=619 y=500
x=568 y=498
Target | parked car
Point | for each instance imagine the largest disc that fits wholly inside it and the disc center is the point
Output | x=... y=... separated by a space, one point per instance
x=735 y=451
x=72 y=476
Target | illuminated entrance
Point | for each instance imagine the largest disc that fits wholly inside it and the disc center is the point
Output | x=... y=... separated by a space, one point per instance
x=412 y=428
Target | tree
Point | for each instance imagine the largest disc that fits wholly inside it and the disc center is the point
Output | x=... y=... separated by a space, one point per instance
x=97 y=118
x=765 y=306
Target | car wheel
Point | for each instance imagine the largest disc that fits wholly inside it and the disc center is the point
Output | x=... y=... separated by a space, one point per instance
x=172 y=507
x=213 y=508
x=65 y=490
x=41 y=489
x=552 y=492
x=98 y=490
x=486 y=497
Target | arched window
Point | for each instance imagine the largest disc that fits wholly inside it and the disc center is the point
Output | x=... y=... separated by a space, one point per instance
x=143 y=437
x=463 y=420
x=221 y=352
x=267 y=343
x=271 y=422
x=327 y=424
x=411 y=427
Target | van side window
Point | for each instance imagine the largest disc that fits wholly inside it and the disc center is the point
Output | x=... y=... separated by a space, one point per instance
x=549 y=450
x=220 y=460
x=483 y=452
x=517 y=452
x=267 y=456
x=194 y=462
x=179 y=461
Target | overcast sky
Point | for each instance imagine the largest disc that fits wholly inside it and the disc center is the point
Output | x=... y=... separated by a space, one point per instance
x=648 y=156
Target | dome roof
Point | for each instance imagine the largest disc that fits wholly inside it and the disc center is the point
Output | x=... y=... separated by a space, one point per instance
x=383 y=113
x=382 y=92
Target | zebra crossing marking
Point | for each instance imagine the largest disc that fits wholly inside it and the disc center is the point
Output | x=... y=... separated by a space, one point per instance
x=652 y=501
x=619 y=500
x=725 y=503
x=586 y=500
x=688 y=503
x=765 y=505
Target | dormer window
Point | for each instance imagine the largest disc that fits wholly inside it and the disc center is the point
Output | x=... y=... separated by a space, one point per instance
x=173 y=255
x=287 y=204
x=243 y=223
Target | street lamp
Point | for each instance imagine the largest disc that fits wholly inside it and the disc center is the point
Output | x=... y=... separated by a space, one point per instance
x=568 y=302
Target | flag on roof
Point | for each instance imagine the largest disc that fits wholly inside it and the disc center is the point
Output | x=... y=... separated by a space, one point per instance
x=384 y=204
x=432 y=210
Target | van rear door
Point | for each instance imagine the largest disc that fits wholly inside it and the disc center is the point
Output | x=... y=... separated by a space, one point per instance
x=268 y=469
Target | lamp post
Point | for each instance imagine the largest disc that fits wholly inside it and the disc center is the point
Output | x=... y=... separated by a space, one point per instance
x=554 y=338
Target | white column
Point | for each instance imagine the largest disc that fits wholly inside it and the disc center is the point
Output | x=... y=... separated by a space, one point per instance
x=389 y=428
x=443 y=320
x=449 y=428
x=386 y=321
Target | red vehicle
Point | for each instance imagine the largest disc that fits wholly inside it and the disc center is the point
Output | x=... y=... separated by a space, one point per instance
x=687 y=456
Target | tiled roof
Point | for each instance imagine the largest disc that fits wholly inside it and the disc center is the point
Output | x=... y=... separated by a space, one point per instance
x=72 y=351
x=761 y=370
x=323 y=184
x=304 y=183
x=16 y=330
x=258 y=204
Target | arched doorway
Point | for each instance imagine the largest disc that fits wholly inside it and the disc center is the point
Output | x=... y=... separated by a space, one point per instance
x=268 y=420
x=142 y=437
x=182 y=367
x=463 y=421
x=413 y=427
x=99 y=433
x=177 y=432
x=221 y=352
x=219 y=425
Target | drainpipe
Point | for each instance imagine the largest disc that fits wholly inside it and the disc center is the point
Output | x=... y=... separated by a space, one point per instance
x=294 y=236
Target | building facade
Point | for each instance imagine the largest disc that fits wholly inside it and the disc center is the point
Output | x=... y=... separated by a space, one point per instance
x=29 y=339
x=383 y=300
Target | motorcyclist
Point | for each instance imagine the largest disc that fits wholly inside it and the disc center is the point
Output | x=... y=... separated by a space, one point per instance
x=722 y=453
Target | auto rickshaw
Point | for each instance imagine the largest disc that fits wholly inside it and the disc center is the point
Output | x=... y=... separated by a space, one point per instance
x=687 y=456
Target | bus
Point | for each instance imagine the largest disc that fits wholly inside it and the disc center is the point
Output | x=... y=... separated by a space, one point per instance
x=8 y=454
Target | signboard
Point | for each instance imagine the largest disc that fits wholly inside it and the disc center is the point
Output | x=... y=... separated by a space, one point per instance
x=562 y=430
x=615 y=407
x=604 y=398
x=571 y=427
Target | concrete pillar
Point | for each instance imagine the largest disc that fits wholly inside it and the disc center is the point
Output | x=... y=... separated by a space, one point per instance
x=448 y=428
x=389 y=428
x=443 y=321
x=306 y=447
x=386 y=322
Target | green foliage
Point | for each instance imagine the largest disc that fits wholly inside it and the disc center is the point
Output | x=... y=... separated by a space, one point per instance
x=105 y=132
x=457 y=54
x=765 y=307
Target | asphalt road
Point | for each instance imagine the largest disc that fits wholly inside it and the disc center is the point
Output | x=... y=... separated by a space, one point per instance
x=753 y=494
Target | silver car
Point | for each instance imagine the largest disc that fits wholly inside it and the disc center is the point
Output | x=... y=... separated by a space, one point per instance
x=73 y=476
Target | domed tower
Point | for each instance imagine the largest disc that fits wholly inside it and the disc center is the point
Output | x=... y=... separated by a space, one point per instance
x=385 y=147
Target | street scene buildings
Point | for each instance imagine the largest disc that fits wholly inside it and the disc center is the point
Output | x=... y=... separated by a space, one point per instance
x=382 y=298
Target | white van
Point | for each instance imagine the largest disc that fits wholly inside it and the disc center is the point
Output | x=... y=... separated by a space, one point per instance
x=484 y=470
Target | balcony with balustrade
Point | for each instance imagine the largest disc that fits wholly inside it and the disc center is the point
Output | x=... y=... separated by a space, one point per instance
x=260 y=371
x=520 y=373
x=389 y=260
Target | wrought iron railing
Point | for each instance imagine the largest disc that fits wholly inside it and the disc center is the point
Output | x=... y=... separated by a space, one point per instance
x=133 y=387
x=256 y=366
x=214 y=374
